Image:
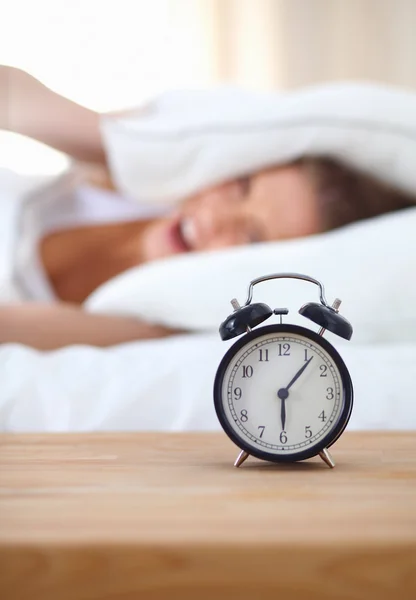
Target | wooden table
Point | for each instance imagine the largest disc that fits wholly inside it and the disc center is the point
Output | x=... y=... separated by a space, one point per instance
x=120 y=516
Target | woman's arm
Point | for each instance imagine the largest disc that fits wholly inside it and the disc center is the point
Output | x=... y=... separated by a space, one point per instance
x=48 y=327
x=30 y=108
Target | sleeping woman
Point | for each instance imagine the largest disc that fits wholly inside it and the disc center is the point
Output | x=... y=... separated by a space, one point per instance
x=89 y=234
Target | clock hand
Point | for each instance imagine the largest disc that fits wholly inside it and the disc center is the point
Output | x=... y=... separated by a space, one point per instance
x=283 y=393
x=298 y=374
x=283 y=413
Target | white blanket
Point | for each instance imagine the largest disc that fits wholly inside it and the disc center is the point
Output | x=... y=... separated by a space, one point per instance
x=166 y=385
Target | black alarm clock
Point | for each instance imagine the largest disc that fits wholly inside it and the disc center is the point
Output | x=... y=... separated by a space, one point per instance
x=282 y=392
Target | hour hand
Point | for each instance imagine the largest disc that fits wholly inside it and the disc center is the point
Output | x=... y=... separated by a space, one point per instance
x=283 y=394
x=283 y=413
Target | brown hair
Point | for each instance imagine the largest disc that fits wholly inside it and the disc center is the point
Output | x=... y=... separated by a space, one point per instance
x=347 y=195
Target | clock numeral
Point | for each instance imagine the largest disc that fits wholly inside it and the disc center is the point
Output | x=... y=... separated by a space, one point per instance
x=323 y=369
x=284 y=349
x=243 y=416
x=247 y=371
x=322 y=416
x=308 y=432
x=264 y=355
x=237 y=393
x=262 y=427
x=306 y=355
x=330 y=393
x=283 y=437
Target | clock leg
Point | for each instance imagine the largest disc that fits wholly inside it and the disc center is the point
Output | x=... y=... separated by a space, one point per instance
x=241 y=458
x=327 y=458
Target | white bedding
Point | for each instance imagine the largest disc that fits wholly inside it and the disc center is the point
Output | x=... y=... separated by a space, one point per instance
x=369 y=265
x=186 y=140
x=167 y=385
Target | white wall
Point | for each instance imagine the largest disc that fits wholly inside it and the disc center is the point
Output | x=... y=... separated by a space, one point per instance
x=110 y=54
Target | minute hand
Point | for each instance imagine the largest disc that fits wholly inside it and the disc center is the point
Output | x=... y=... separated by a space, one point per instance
x=298 y=374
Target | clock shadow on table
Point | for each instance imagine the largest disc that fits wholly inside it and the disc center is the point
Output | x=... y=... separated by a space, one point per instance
x=255 y=464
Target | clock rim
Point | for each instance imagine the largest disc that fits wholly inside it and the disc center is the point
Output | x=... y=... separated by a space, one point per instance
x=346 y=382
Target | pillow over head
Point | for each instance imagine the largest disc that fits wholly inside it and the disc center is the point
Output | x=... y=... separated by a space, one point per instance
x=185 y=141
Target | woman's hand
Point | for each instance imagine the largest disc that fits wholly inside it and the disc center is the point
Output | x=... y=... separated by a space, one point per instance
x=52 y=326
x=30 y=108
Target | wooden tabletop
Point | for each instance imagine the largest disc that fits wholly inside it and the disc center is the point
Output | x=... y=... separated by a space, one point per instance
x=120 y=516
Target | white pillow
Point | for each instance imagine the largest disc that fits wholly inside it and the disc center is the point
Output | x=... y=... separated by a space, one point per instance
x=370 y=265
x=185 y=141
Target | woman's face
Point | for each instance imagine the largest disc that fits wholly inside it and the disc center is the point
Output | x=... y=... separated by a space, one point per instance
x=274 y=204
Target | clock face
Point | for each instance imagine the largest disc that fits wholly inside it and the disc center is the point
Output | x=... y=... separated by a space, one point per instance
x=282 y=392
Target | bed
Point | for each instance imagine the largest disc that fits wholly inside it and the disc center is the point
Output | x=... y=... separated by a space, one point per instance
x=166 y=384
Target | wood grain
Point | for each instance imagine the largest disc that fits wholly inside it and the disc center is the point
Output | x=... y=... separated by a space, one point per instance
x=119 y=516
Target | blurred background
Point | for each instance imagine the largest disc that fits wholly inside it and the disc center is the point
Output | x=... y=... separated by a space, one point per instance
x=115 y=54
x=110 y=54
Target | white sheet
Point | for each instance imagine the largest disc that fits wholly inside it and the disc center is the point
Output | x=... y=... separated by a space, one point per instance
x=166 y=385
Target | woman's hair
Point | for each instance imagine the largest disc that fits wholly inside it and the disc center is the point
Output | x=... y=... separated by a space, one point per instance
x=346 y=195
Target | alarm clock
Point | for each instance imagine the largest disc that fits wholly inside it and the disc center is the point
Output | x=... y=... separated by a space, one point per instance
x=282 y=392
